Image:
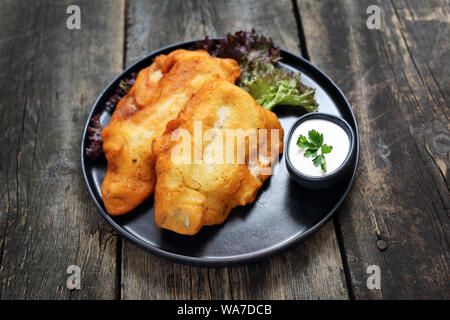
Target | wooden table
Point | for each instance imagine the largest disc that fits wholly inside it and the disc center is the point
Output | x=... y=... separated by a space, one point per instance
x=396 y=78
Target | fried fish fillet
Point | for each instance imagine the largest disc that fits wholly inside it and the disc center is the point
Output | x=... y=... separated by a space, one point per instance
x=159 y=93
x=192 y=192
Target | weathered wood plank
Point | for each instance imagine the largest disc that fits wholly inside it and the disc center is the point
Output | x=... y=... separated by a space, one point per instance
x=52 y=75
x=311 y=270
x=397 y=80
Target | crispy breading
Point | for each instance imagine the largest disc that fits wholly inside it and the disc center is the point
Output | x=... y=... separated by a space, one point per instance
x=190 y=193
x=159 y=93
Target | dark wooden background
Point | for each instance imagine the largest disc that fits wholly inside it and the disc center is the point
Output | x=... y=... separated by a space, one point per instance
x=396 y=78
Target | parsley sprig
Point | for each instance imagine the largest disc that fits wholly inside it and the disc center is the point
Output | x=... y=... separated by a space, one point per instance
x=312 y=147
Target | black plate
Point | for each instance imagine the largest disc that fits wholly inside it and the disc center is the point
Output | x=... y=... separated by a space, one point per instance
x=282 y=215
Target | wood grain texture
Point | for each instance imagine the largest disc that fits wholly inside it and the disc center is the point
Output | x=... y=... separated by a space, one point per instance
x=52 y=75
x=312 y=269
x=397 y=80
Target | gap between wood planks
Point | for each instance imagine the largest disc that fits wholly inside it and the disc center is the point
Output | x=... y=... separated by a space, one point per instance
x=119 y=290
x=301 y=32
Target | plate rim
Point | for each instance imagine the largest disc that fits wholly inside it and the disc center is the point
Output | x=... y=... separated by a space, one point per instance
x=233 y=260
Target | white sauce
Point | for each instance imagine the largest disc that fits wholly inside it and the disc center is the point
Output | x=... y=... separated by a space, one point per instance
x=333 y=135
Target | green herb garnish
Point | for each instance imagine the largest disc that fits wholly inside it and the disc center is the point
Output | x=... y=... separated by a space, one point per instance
x=312 y=147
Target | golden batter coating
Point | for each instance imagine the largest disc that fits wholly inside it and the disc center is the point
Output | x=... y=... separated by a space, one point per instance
x=159 y=93
x=189 y=195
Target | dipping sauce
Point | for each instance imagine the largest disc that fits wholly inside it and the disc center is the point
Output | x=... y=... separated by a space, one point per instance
x=333 y=135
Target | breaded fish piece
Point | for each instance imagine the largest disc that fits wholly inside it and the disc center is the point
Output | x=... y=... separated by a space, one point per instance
x=191 y=193
x=159 y=93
